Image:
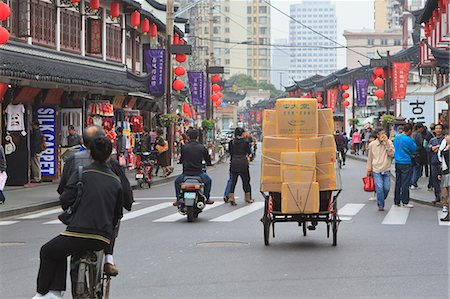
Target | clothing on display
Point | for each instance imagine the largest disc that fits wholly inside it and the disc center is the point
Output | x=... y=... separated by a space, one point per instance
x=15 y=115
x=136 y=123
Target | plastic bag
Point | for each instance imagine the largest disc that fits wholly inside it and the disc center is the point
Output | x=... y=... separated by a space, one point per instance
x=369 y=184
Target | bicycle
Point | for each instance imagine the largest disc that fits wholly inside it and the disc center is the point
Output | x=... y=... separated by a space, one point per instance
x=91 y=281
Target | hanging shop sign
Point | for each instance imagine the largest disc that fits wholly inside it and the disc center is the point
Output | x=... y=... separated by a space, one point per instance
x=154 y=61
x=332 y=95
x=418 y=108
x=46 y=115
x=362 y=86
x=400 y=72
x=197 y=87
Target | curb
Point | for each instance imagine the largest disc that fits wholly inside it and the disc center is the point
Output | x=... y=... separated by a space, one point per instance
x=422 y=202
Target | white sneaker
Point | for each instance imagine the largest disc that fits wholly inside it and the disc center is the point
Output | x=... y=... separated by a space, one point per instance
x=49 y=295
x=445 y=210
x=413 y=188
x=372 y=198
x=408 y=205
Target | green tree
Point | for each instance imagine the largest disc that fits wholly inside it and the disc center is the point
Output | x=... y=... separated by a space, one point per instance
x=243 y=81
x=274 y=92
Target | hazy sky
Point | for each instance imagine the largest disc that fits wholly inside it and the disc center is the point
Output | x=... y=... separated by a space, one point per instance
x=351 y=15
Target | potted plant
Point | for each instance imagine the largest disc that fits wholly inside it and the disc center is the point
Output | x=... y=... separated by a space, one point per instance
x=168 y=119
x=388 y=119
x=208 y=125
x=353 y=121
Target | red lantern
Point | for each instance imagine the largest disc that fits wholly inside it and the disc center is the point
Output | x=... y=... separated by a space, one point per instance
x=319 y=106
x=75 y=2
x=319 y=93
x=379 y=93
x=215 y=97
x=220 y=95
x=115 y=10
x=345 y=95
x=218 y=103
x=180 y=58
x=95 y=5
x=215 y=78
x=181 y=41
x=379 y=72
x=346 y=103
x=319 y=99
x=378 y=82
x=186 y=109
x=345 y=86
x=215 y=88
x=180 y=71
x=135 y=19
x=153 y=30
x=176 y=39
x=178 y=85
x=4 y=36
x=145 y=27
x=221 y=88
x=5 y=11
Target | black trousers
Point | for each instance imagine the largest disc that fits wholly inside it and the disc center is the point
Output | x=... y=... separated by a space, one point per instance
x=53 y=264
x=110 y=248
x=245 y=176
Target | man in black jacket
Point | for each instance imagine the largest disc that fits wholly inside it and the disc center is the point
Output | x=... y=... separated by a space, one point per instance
x=192 y=155
x=84 y=159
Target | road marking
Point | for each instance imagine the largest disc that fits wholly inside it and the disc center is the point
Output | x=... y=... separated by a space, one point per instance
x=345 y=218
x=177 y=216
x=40 y=214
x=173 y=198
x=7 y=222
x=239 y=213
x=396 y=216
x=350 y=209
x=148 y=210
x=53 y=222
x=440 y=215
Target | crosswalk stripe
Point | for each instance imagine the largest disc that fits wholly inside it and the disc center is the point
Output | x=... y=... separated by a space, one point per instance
x=350 y=209
x=178 y=216
x=53 y=222
x=172 y=198
x=148 y=210
x=239 y=213
x=7 y=222
x=440 y=215
x=396 y=216
x=41 y=214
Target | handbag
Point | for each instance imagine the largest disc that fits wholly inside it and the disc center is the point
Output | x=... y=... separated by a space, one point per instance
x=162 y=148
x=67 y=216
x=369 y=184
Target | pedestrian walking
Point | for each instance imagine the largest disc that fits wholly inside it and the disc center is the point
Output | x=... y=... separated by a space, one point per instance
x=145 y=141
x=405 y=147
x=443 y=155
x=356 y=141
x=379 y=163
x=73 y=138
x=121 y=147
x=3 y=175
x=419 y=157
x=341 y=145
x=37 y=146
x=239 y=165
x=433 y=148
x=429 y=136
x=162 y=147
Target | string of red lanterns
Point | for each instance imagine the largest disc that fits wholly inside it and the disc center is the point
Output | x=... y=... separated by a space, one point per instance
x=378 y=81
x=114 y=10
x=179 y=71
x=145 y=27
x=135 y=19
x=153 y=30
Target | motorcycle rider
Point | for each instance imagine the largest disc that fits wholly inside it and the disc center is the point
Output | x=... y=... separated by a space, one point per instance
x=192 y=155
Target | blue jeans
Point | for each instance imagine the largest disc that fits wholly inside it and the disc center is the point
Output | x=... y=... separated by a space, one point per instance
x=228 y=187
x=382 y=186
x=403 y=173
x=417 y=174
x=205 y=178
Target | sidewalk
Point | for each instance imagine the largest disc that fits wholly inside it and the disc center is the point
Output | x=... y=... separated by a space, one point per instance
x=422 y=195
x=33 y=197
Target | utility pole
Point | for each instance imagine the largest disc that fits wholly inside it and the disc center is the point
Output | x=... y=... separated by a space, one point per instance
x=168 y=67
x=388 y=94
x=211 y=55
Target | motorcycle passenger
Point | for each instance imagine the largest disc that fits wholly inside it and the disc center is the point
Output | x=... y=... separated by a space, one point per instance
x=239 y=165
x=192 y=155
x=92 y=226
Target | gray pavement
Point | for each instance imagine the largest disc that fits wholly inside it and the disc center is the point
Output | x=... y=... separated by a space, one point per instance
x=227 y=259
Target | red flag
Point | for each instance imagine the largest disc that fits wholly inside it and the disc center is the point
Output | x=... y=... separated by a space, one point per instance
x=332 y=95
x=400 y=72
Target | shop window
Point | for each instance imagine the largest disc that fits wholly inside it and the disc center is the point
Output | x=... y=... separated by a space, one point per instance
x=24 y=22
x=94 y=36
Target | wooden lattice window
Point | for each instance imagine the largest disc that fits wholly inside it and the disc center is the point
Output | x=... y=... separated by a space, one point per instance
x=113 y=42
x=129 y=45
x=12 y=24
x=137 y=42
x=43 y=20
x=94 y=36
x=70 y=30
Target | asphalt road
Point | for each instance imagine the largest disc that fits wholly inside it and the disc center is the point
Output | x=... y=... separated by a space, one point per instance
x=393 y=254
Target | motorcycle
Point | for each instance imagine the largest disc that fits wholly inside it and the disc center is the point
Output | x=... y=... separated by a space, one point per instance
x=192 y=198
x=144 y=173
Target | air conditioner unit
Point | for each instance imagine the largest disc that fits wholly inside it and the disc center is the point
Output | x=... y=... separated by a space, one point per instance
x=426 y=72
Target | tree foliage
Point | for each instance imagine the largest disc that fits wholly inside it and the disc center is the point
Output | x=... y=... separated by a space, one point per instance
x=243 y=82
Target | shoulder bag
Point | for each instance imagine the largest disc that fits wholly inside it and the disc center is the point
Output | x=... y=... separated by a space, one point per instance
x=67 y=216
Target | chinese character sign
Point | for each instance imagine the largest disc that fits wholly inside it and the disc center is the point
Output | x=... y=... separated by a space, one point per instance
x=400 y=72
x=418 y=108
x=332 y=95
x=362 y=87
x=197 y=86
x=154 y=61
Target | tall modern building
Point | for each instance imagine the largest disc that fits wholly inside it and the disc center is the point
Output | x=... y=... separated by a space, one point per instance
x=281 y=59
x=388 y=13
x=311 y=53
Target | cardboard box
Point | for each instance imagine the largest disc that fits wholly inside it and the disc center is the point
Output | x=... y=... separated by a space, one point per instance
x=272 y=147
x=326 y=176
x=269 y=123
x=324 y=147
x=271 y=187
x=300 y=198
x=326 y=122
x=298 y=167
x=297 y=117
x=270 y=173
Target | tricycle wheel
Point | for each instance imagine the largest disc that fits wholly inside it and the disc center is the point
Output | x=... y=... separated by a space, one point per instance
x=304 y=228
x=266 y=222
x=334 y=229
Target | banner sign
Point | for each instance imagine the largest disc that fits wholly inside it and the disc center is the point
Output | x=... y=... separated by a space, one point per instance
x=332 y=95
x=362 y=87
x=400 y=72
x=197 y=86
x=154 y=61
x=46 y=115
x=418 y=108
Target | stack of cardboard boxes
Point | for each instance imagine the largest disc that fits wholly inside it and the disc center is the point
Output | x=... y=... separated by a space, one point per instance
x=299 y=154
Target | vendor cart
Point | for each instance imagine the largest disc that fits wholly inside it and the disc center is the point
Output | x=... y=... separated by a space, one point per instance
x=327 y=214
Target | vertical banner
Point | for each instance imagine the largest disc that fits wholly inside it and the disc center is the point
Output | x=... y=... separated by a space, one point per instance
x=400 y=72
x=154 y=61
x=332 y=95
x=197 y=86
x=46 y=115
x=362 y=87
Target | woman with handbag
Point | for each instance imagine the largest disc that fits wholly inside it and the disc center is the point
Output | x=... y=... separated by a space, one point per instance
x=98 y=197
x=162 y=146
